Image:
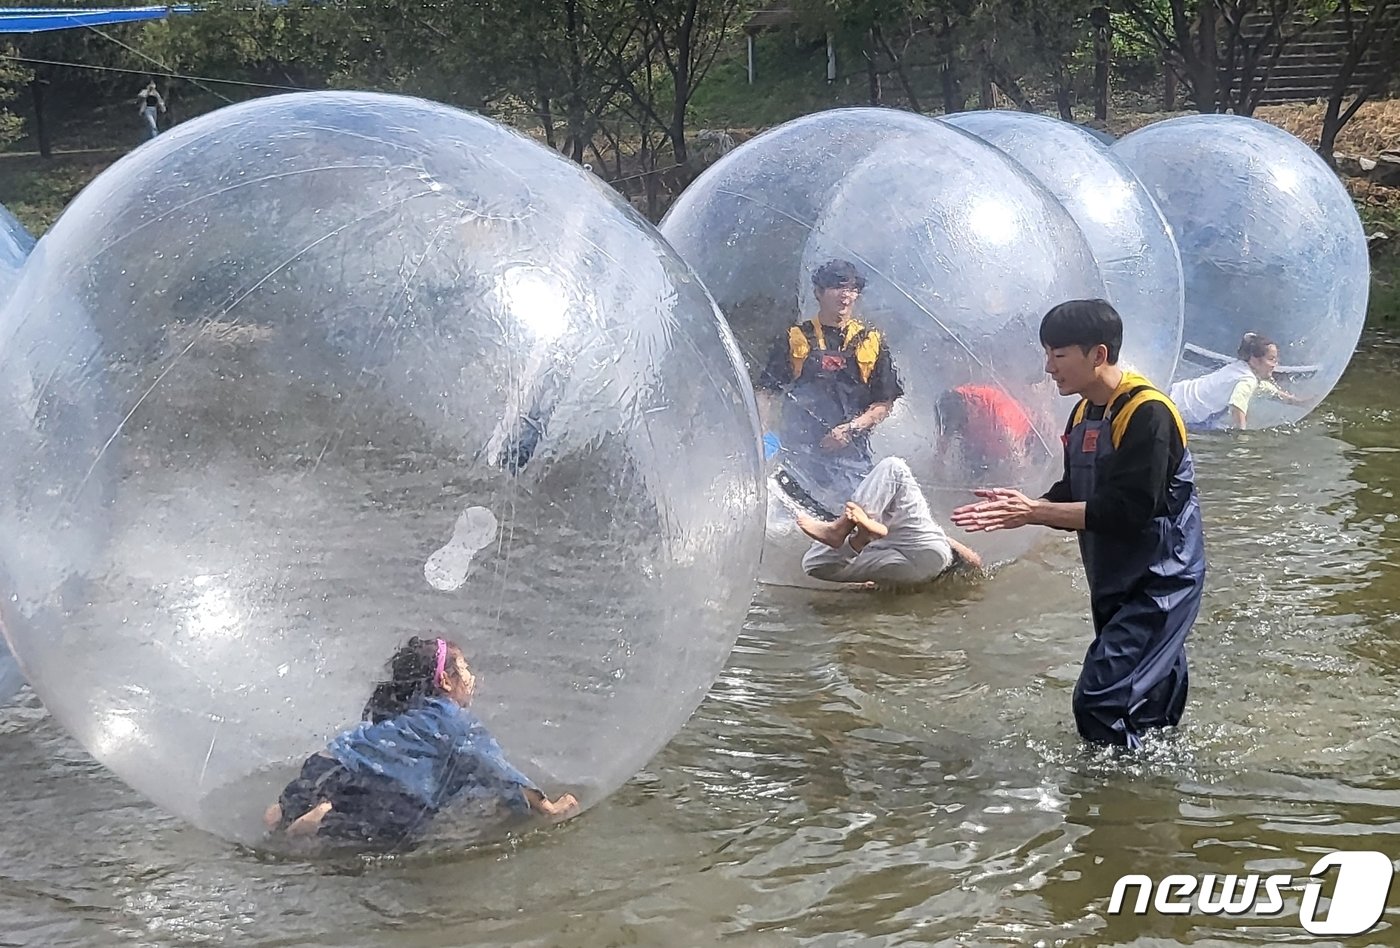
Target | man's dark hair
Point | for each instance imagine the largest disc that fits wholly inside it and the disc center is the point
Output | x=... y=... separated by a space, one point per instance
x=1083 y=323
x=837 y=273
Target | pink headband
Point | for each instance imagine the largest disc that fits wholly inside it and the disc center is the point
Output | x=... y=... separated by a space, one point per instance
x=441 y=662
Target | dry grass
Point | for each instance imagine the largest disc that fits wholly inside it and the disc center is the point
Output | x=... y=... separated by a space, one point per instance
x=1374 y=129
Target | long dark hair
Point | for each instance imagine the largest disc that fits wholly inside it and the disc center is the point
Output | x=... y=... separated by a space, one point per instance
x=412 y=677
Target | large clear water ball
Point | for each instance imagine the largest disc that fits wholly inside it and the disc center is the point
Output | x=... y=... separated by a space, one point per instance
x=743 y=225
x=1130 y=239
x=312 y=374
x=1270 y=243
x=15 y=244
x=963 y=253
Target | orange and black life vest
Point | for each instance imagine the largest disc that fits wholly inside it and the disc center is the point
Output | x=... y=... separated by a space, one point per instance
x=862 y=344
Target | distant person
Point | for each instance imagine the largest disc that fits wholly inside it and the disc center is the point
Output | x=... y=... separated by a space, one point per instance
x=417 y=751
x=994 y=430
x=827 y=383
x=150 y=105
x=1221 y=399
x=885 y=535
x=1129 y=492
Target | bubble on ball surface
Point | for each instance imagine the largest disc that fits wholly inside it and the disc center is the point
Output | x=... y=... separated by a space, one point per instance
x=270 y=364
x=1270 y=242
x=1131 y=242
x=963 y=252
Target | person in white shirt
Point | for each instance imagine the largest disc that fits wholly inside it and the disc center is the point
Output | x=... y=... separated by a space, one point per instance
x=885 y=535
x=149 y=103
x=1221 y=399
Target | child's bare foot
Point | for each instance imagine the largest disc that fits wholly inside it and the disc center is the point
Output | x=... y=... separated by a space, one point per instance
x=831 y=534
x=309 y=822
x=857 y=515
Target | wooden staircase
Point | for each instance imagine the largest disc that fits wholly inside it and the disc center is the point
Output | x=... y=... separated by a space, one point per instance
x=1309 y=64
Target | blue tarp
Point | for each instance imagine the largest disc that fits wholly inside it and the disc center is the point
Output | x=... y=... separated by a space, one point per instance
x=42 y=19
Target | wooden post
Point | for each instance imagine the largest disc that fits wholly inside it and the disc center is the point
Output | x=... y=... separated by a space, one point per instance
x=1103 y=59
x=750 y=45
x=41 y=130
x=830 y=59
x=1169 y=89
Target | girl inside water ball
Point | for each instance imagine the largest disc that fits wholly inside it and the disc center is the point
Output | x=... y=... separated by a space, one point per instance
x=417 y=751
x=1222 y=398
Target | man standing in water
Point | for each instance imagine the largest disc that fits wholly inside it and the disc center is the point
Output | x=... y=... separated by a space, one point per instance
x=1129 y=490
x=828 y=382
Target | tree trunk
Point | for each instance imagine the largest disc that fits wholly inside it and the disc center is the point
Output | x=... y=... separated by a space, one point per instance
x=172 y=99
x=953 y=100
x=577 y=140
x=1168 y=89
x=41 y=128
x=1103 y=59
x=651 y=182
x=986 y=95
x=1008 y=84
x=685 y=40
x=546 y=118
x=1327 y=140
x=1063 y=99
x=898 y=66
x=1206 y=76
x=872 y=74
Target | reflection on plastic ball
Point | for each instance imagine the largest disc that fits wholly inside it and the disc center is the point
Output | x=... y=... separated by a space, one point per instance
x=963 y=253
x=1270 y=243
x=1131 y=242
x=310 y=375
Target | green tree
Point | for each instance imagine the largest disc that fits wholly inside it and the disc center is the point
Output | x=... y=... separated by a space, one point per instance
x=1024 y=44
x=13 y=78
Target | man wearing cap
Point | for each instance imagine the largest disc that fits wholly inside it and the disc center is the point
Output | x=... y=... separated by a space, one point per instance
x=828 y=382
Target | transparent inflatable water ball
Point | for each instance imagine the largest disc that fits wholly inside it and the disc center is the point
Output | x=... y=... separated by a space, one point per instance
x=15 y=244
x=1130 y=240
x=962 y=253
x=314 y=374
x=1270 y=243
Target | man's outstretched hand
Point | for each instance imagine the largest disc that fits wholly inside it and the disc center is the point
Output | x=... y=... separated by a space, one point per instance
x=1001 y=508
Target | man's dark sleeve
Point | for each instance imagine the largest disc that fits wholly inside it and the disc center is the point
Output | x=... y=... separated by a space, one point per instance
x=777 y=373
x=1134 y=487
x=884 y=377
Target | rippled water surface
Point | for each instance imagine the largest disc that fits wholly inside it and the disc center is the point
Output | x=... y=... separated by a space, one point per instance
x=872 y=769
